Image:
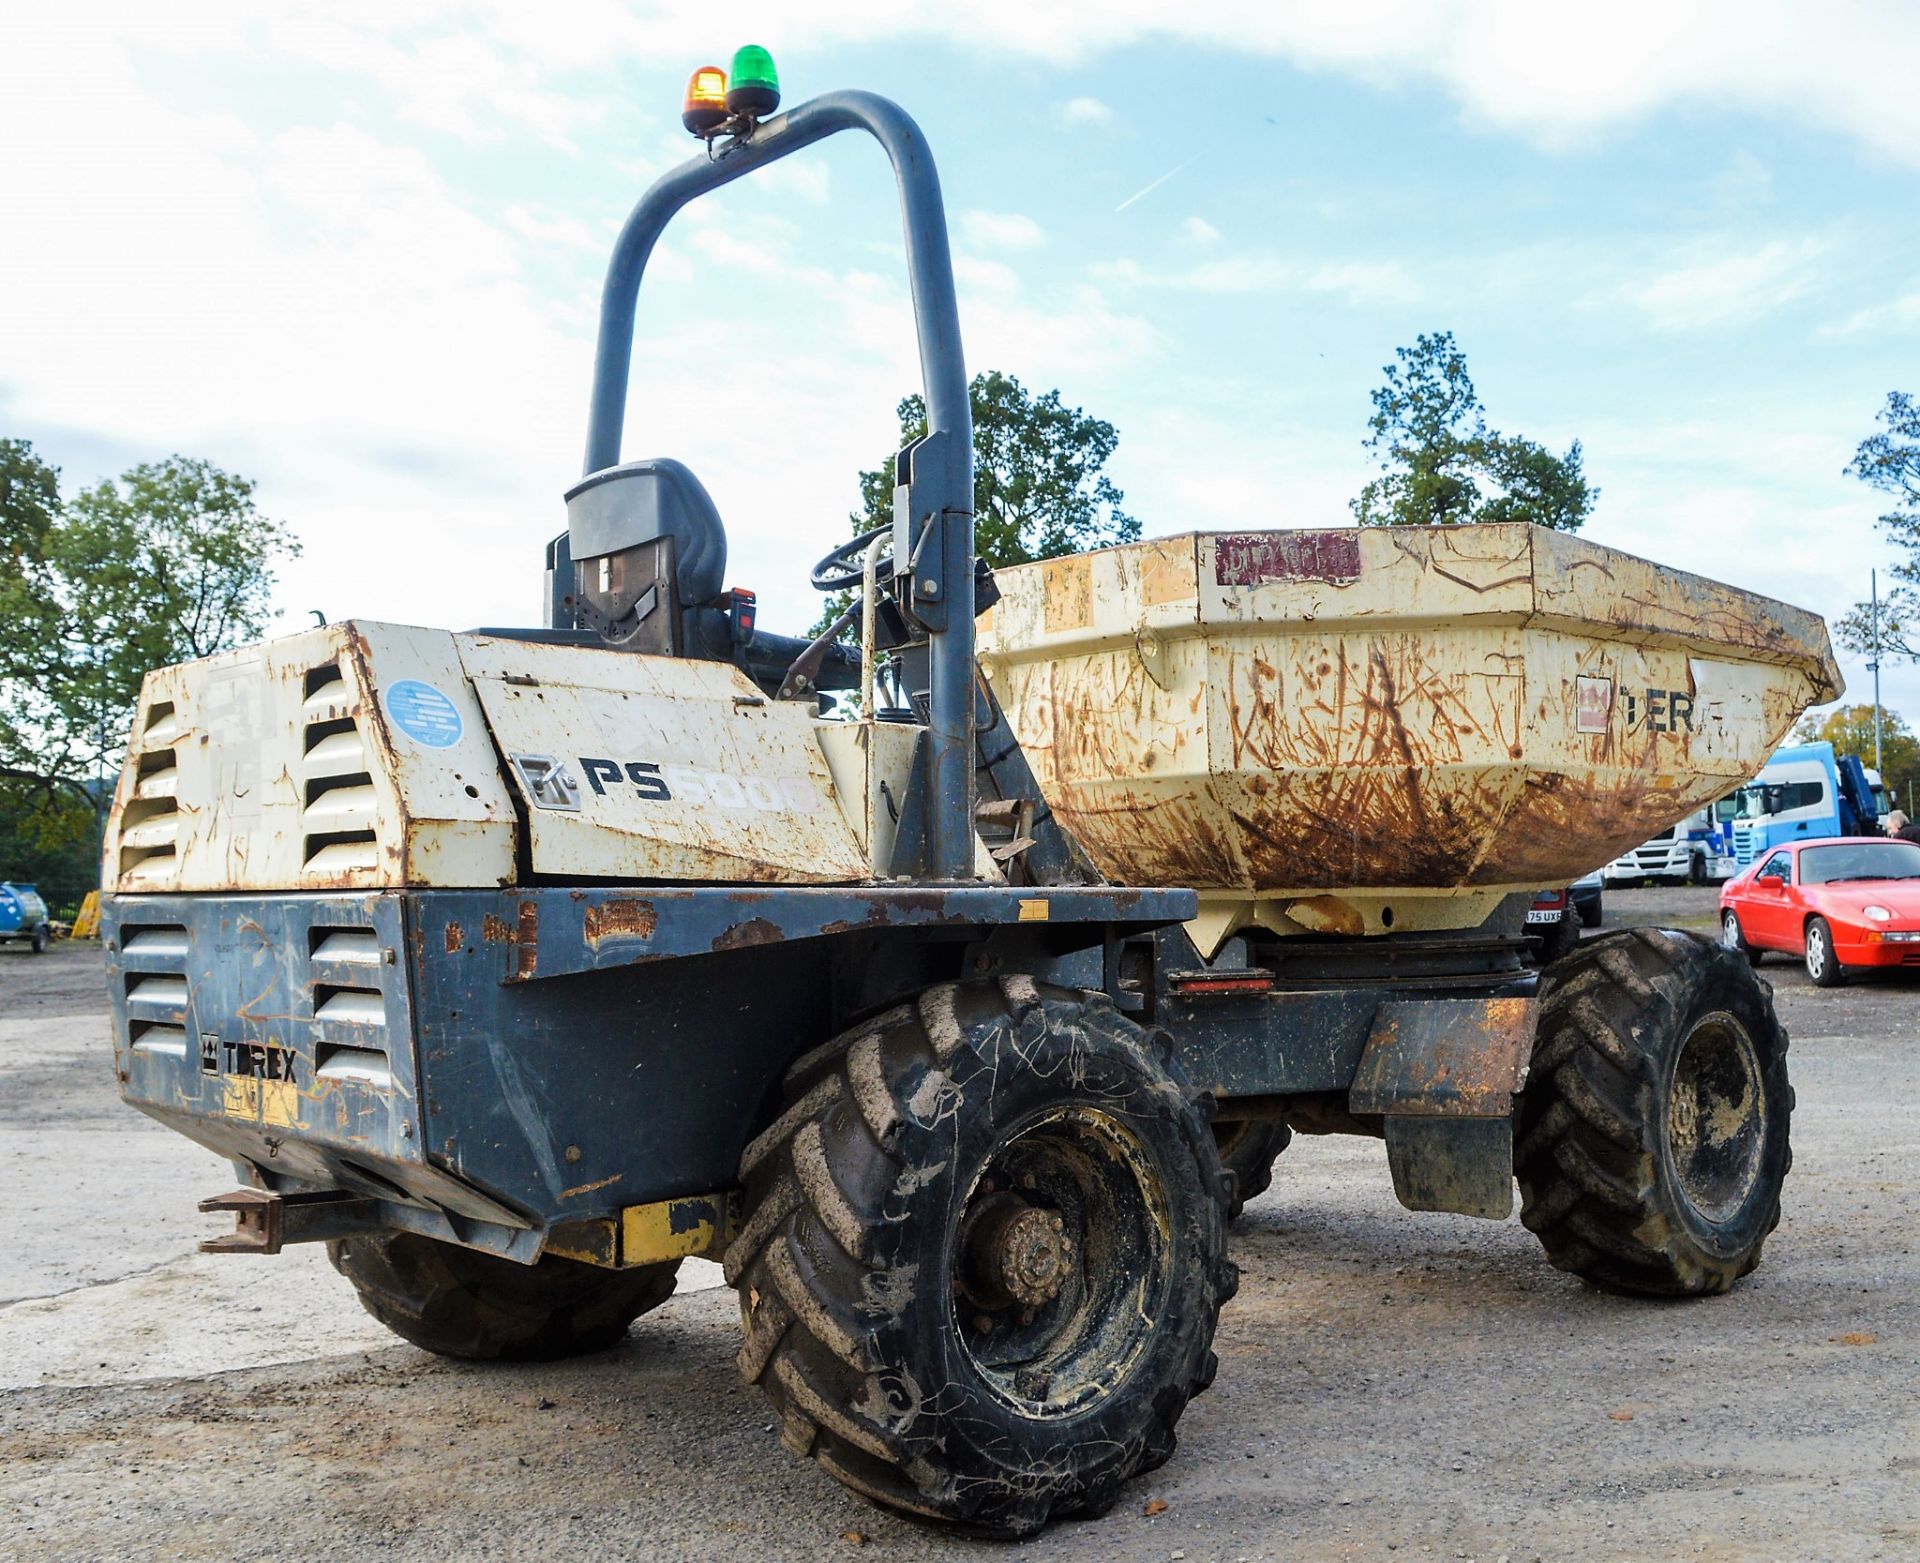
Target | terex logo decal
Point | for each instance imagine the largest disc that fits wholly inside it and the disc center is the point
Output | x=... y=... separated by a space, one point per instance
x=643 y=774
x=695 y=787
x=1664 y=710
x=259 y=1080
x=261 y=1059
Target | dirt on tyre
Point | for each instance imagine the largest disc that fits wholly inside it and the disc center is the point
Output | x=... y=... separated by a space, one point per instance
x=983 y=1255
x=1651 y=1141
x=461 y=1303
x=1248 y=1148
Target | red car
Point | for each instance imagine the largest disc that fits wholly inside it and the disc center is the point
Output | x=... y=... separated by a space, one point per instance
x=1835 y=904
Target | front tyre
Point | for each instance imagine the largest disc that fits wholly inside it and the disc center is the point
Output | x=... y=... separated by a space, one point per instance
x=463 y=1303
x=41 y=939
x=1823 y=962
x=1652 y=1139
x=983 y=1255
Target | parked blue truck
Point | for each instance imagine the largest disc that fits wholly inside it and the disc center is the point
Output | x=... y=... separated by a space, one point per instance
x=1804 y=792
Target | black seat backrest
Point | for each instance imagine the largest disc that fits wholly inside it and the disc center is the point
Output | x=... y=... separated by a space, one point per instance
x=639 y=502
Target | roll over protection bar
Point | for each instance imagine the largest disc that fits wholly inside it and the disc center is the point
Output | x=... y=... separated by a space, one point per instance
x=935 y=492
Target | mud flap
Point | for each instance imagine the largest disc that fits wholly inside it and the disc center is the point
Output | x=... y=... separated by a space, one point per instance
x=1462 y=1165
x=1443 y=1074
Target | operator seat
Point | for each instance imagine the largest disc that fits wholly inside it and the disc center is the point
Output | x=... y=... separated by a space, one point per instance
x=648 y=557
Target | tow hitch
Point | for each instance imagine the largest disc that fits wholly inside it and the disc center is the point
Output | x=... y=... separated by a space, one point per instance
x=264 y=1222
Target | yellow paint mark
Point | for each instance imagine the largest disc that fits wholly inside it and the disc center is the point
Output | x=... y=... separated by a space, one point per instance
x=590 y=1242
x=1035 y=910
x=1069 y=591
x=674 y=1228
x=1166 y=572
x=280 y=1103
x=242 y=1097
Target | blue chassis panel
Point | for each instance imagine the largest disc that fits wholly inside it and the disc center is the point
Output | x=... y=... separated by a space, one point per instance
x=556 y=1053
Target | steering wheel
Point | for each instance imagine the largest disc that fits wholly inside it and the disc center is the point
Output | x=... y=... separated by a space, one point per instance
x=845 y=566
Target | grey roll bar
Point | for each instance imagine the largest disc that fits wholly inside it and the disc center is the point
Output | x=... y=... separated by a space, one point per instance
x=938 y=491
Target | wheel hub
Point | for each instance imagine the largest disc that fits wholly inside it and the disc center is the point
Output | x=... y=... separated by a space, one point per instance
x=1716 y=1117
x=1016 y=1254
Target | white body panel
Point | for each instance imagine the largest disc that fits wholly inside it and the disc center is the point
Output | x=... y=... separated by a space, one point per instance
x=710 y=781
x=278 y=766
x=373 y=756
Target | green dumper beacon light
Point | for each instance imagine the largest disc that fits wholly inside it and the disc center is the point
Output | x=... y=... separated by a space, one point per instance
x=753 y=85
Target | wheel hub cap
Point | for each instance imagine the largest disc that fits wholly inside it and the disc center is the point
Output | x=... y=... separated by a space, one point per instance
x=1016 y=1254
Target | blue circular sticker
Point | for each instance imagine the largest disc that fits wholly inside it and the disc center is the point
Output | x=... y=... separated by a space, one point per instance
x=424 y=714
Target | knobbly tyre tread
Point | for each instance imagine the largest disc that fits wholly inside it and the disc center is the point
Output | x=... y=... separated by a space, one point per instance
x=1590 y=1127
x=458 y=1302
x=1248 y=1149
x=821 y=1307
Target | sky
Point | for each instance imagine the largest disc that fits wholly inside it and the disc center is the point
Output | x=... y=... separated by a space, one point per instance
x=354 y=251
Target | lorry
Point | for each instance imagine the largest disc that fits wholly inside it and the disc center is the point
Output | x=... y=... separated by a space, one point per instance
x=23 y=917
x=1698 y=850
x=1804 y=792
x=958 y=1021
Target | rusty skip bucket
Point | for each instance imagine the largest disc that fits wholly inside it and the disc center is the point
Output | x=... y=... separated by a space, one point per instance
x=1385 y=729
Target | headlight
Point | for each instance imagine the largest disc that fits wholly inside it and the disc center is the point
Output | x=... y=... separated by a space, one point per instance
x=1877 y=914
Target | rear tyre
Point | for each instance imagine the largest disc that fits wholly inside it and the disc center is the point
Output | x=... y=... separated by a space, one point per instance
x=1652 y=1138
x=1560 y=939
x=983 y=1255
x=1248 y=1149
x=1823 y=961
x=41 y=939
x=1697 y=869
x=461 y=1303
x=1732 y=937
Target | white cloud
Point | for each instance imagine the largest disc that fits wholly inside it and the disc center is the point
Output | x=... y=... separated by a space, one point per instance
x=1085 y=111
x=545 y=226
x=1197 y=230
x=1897 y=316
x=970 y=271
x=1555 y=74
x=1001 y=231
x=1359 y=283
x=1727 y=284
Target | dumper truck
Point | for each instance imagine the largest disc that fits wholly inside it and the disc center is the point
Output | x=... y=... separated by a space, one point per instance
x=957 y=989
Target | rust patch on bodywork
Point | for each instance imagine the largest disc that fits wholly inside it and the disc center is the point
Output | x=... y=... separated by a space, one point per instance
x=528 y=954
x=619 y=920
x=743 y=936
x=453 y=939
x=523 y=935
x=1450 y=1058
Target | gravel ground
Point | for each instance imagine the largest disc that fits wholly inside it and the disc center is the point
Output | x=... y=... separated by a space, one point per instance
x=1392 y=1385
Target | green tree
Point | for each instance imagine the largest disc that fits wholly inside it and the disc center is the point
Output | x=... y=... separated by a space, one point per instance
x=47 y=839
x=1040 y=487
x=1850 y=730
x=169 y=562
x=1889 y=462
x=1441 y=465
